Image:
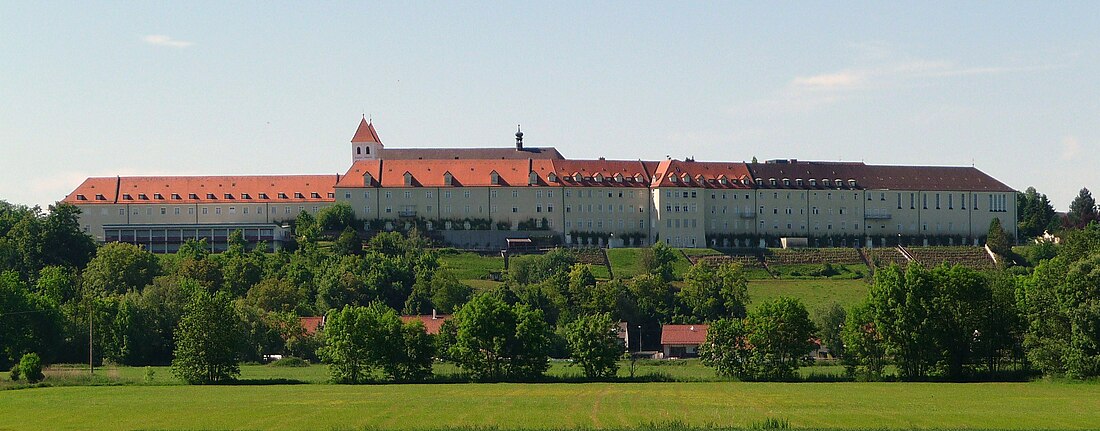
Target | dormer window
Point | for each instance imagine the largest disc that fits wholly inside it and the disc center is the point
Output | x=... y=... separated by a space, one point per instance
x=246 y=196
x=81 y=198
x=798 y=182
x=211 y=196
x=839 y=182
x=143 y=196
x=332 y=195
x=618 y=178
x=494 y=178
x=598 y=177
x=176 y=196
x=408 y=179
x=577 y=177
x=786 y=182
x=127 y=197
x=851 y=183
x=282 y=195
x=551 y=177
x=263 y=195
x=100 y=197
x=193 y=196
x=299 y=195
x=772 y=181
x=813 y=182
x=638 y=177
x=825 y=182
x=227 y=196
x=366 y=179
x=158 y=196
x=533 y=178
x=315 y=195
x=674 y=178
x=448 y=179
x=722 y=181
x=760 y=182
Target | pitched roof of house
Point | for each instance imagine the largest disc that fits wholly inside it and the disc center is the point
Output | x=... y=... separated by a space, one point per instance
x=711 y=175
x=684 y=334
x=240 y=189
x=595 y=173
x=365 y=132
x=312 y=324
x=502 y=153
x=432 y=324
x=889 y=177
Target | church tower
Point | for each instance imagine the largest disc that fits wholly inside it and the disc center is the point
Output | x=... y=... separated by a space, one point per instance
x=365 y=145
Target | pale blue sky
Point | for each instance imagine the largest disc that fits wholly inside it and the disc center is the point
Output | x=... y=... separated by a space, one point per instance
x=99 y=89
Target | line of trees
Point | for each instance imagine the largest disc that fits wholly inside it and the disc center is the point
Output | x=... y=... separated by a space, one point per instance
x=204 y=313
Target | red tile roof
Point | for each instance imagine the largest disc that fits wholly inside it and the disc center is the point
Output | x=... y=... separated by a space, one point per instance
x=711 y=175
x=596 y=173
x=948 y=178
x=206 y=189
x=312 y=324
x=365 y=133
x=684 y=334
x=545 y=153
x=432 y=325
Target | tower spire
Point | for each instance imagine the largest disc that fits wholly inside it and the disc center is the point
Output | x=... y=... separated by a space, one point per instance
x=519 y=138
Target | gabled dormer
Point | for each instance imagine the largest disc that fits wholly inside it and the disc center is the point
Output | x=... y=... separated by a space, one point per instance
x=494 y=178
x=532 y=178
x=368 y=180
x=408 y=179
x=551 y=177
x=448 y=179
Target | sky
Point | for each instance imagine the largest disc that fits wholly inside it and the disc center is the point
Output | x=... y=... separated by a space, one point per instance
x=204 y=88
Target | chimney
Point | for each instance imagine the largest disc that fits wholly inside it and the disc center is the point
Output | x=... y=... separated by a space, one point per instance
x=434 y=317
x=519 y=138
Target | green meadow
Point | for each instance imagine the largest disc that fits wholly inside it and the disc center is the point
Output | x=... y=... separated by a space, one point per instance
x=1037 y=405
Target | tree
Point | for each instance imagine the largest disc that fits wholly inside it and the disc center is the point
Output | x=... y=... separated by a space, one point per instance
x=1082 y=210
x=208 y=340
x=997 y=240
x=275 y=295
x=494 y=340
x=1061 y=305
x=830 y=323
x=864 y=349
x=28 y=321
x=1036 y=214
x=779 y=332
x=348 y=243
x=359 y=339
x=767 y=345
x=712 y=293
x=339 y=216
x=30 y=367
x=120 y=268
x=726 y=348
x=594 y=345
x=448 y=293
x=658 y=260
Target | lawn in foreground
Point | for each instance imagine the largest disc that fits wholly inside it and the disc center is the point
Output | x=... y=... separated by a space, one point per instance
x=1039 y=405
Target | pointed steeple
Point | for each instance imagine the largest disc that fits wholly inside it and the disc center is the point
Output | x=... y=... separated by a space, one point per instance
x=365 y=132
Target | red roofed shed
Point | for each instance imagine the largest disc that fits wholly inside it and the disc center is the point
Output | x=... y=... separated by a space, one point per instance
x=682 y=341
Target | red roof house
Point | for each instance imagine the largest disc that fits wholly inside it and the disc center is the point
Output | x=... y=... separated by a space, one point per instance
x=682 y=341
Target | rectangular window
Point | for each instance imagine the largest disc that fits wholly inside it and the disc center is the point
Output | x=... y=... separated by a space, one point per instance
x=428 y=195
x=204 y=210
x=217 y=210
x=163 y=210
x=408 y=195
x=176 y=211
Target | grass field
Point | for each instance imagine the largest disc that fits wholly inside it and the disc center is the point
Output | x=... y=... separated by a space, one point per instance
x=1039 y=405
x=813 y=293
x=470 y=266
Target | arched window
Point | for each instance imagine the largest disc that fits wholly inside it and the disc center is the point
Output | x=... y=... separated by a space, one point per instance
x=358 y=150
x=368 y=150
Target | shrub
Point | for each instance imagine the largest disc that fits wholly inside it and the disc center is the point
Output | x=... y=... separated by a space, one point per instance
x=30 y=367
x=15 y=373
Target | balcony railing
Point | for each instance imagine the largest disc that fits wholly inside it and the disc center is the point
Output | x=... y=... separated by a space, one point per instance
x=878 y=216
